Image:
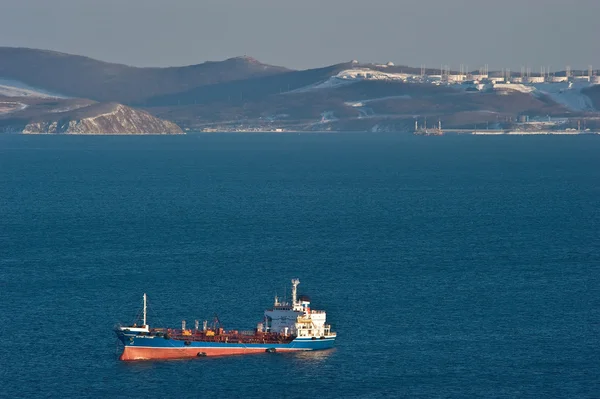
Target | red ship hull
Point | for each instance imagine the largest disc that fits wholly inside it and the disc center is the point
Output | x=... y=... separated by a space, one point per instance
x=148 y=353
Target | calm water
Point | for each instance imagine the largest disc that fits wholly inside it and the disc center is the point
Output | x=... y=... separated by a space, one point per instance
x=449 y=266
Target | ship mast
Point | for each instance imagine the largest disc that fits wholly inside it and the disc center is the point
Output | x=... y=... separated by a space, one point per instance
x=144 y=310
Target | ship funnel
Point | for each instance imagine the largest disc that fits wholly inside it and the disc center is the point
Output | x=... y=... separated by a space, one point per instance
x=295 y=283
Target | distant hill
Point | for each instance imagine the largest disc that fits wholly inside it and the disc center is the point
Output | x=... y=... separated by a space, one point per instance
x=244 y=94
x=248 y=90
x=594 y=94
x=79 y=76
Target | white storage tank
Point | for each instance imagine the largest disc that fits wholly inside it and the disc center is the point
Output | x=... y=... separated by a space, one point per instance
x=457 y=78
x=558 y=79
x=536 y=79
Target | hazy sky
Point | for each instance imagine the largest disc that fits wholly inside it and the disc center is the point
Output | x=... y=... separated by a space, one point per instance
x=312 y=33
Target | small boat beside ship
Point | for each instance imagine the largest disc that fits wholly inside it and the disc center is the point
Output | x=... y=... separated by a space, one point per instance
x=287 y=326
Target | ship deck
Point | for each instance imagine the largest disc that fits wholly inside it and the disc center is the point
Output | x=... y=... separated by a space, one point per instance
x=220 y=336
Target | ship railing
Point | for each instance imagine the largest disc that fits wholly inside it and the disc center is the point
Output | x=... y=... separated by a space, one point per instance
x=317 y=311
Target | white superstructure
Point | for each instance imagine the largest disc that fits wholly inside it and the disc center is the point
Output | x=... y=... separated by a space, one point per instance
x=135 y=328
x=296 y=318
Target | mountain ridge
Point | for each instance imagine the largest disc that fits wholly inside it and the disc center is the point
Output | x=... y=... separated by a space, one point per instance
x=241 y=93
x=80 y=76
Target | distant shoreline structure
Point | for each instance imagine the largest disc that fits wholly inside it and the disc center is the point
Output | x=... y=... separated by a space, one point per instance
x=499 y=132
x=429 y=132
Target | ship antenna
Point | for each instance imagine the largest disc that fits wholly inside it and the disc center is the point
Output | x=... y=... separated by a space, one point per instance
x=144 y=309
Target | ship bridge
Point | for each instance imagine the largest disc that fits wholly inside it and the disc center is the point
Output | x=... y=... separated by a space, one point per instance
x=296 y=318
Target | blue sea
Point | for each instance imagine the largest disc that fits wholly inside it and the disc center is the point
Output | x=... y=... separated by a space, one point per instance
x=450 y=267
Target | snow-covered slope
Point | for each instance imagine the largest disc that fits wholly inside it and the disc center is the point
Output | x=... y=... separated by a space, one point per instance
x=349 y=76
x=14 y=88
x=563 y=93
x=514 y=87
x=567 y=94
x=7 y=107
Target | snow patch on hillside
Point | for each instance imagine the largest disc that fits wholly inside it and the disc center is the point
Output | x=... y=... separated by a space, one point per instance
x=15 y=88
x=514 y=87
x=331 y=83
x=9 y=107
x=68 y=108
x=567 y=94
x=350 y=76
x=362 y=103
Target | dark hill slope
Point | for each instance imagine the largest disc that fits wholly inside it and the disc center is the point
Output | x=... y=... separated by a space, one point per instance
x=239 y=92
x=376 y=88
x=78 y=76
x=594 y=94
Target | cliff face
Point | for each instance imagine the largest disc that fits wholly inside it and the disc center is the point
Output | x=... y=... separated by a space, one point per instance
x=103 y=119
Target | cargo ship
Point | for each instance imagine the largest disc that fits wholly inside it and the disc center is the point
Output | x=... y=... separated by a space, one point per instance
x=286 y=327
